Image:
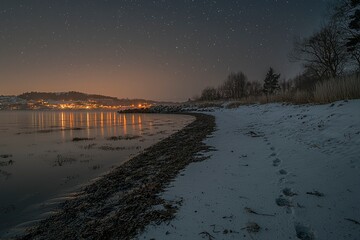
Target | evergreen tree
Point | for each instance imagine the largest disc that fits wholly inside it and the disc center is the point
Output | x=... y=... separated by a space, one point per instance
x=271 y=82
x=354 y=26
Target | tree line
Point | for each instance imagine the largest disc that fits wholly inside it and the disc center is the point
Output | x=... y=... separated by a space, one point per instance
x=236 y=86
x=331 y=52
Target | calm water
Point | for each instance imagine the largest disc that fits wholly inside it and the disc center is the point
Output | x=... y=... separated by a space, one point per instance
x=40 y=164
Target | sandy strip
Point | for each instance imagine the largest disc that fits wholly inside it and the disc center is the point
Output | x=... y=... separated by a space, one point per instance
x=123 y=202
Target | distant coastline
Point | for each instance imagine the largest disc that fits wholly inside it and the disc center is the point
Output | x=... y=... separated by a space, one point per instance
x=69 y=100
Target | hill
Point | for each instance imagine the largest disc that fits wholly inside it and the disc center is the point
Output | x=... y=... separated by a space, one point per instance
x=63 y=96
x=78 y=96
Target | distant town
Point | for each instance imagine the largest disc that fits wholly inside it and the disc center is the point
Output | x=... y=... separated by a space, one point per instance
x=69 y=101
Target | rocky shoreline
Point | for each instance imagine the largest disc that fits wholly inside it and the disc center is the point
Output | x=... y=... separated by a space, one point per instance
x=181 y=108
x=120 y=204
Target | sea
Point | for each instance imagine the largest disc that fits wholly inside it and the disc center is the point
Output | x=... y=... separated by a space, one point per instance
x=47 y=156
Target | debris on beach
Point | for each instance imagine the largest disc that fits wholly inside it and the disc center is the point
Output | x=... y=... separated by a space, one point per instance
x=111 y=148
x=249 y=210
x=207 y=235
x=61 y=160
x=89 y=146
x=6 y=163
x=126 y=137
x=254 y=134
x=252 y=227
x=78 y=139
x=352 y=220
x=315 y=193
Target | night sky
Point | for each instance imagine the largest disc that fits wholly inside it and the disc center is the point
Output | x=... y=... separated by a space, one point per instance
x=160 y=50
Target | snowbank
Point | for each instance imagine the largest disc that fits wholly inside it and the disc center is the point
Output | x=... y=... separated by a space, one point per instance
x=293 y=171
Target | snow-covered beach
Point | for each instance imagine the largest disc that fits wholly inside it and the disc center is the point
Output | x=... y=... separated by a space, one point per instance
x=279 y=172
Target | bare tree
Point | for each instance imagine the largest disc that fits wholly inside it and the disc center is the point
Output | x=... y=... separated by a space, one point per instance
x=209 y=94
x=253 y=88
x=324 y=53
x=234 y=86
x=305 y=81
x=285 y=85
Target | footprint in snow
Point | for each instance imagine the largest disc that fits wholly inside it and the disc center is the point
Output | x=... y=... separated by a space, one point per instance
x=283 y=202
x=276 y=162
x=282 y=180
x=283 y=172
x=289 y=192
x=303 y=232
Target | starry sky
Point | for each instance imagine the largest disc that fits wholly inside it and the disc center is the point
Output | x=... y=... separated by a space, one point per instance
x=161 y=50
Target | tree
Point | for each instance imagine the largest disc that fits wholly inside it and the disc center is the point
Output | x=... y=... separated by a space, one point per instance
x=306 y=81
x=253 y=88
x=354 y=25
x=234 y=86
x=209 y=94
x=346 y=14
x=271 y=82
x=323 y=53
x=285 y=86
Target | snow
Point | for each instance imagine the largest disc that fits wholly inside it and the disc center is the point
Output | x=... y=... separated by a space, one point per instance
x=309 y=152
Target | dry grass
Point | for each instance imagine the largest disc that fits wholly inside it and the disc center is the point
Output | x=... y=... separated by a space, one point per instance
x=298 y=97
x=337 y=89
x=287 y=97
x=325 y=92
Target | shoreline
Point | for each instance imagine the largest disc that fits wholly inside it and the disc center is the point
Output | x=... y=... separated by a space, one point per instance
x=123 y=202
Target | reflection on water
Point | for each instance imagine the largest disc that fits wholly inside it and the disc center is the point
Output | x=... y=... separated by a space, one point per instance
x=39 y=160
x=90 y=120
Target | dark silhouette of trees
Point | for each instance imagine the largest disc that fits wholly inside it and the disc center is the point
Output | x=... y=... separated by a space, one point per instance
x=346 y=15
x=271 y=82
x=285 y=86
x=354 y=25
x=323 y=53
x=305 y=81
x=253 y=89
x=234 y=86
x=209 y=94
